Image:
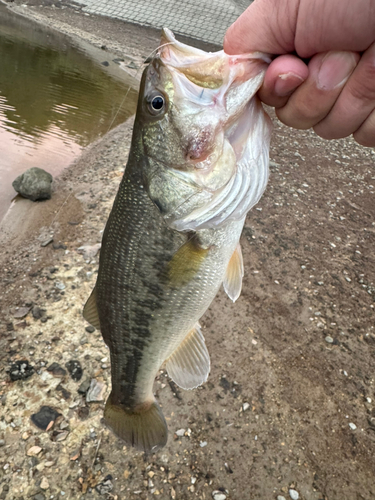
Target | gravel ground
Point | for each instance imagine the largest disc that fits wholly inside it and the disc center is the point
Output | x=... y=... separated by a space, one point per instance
x=289 y=408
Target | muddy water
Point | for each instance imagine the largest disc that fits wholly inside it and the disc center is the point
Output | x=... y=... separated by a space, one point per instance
x=55 y=99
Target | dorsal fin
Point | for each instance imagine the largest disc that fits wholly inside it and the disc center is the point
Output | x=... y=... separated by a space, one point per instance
x=233 y=278
x=90 y=311
x=189 y=365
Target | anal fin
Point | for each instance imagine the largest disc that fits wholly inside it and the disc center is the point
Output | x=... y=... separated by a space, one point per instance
x=233 y=278
x=90 y=311
x=189 y=365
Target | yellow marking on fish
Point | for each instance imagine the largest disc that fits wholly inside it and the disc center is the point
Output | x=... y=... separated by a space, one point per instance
x=185 y=263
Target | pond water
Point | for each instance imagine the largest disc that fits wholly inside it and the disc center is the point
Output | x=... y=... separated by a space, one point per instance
x=55 y=99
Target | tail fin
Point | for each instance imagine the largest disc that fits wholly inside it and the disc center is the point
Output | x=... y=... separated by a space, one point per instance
x=145 y=429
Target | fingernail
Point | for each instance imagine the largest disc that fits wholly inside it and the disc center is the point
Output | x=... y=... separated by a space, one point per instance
x=335 y=69
x=287 y=83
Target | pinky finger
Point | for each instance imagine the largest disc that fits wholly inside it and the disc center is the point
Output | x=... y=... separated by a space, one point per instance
x=365 y=135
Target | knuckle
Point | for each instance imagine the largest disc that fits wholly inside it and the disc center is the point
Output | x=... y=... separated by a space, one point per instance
x=363 y=86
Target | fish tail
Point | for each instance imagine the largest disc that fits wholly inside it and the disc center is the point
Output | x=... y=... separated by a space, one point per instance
x=143 y=428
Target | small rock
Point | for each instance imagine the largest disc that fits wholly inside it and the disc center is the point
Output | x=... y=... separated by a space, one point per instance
x=96 y=391
x=33 y=451
x=25 y=436
x=280 y=497
x=37 y=312
x=245 y=406
x=47 y=241
x=202 y=444
x=58 y=246
x=44 y=417
x=35 y=184
x=218 y=495
x=90 y=329
x=56 y=370
x=64 y=393
x=83 y=412
x=21 y=312
x=105 y=487
x=60 y=436
x=75 y=369
x=180 y=432
x=294 y=495
x=352 y=426
x=105 y=63
x=84 y=387
x=89 y=251
x=39 y=496
x=20 y=370
x=2 y=442
x=44 y=484
x=329 y=339
x=132 y=65
x=60 y=285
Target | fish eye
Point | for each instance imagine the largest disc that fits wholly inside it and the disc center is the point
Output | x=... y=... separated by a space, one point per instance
x=156 y=103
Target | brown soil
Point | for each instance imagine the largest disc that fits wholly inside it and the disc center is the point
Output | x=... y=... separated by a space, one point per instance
x=297 y=349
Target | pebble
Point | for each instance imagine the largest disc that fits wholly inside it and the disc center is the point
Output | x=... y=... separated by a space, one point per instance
x=75 y=369
x=60 y=285
x=218 y=495
x=90 y=329
x=2 y=442
x=56 y=370
x=352 y=426
x=89 y=251
x=329 y=339
x=96 y=391
x=33 y=451
x=20 y=370
x=43 y=418
x=280 y=497
x=84 y=387
x=245 y=406
x=44 y=484
x=39 y=496
x=21 y=312
x=37 y=312
x=180 y=432
x=202 y=444
x=294 y=495
x=105 y=487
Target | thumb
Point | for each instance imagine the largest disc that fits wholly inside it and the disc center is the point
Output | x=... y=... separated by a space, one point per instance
x=265 y=26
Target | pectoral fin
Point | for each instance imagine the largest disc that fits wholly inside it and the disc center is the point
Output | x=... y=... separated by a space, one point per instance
x=90 y=311
x=189 y=365
x=233 y=278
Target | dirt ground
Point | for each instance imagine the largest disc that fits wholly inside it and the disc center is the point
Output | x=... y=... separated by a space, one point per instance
x=289 y=407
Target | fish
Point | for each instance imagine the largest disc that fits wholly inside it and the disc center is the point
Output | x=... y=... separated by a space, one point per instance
x=198 y=162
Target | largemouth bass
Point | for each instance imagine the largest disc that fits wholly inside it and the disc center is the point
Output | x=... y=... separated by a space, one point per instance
x=198 y=162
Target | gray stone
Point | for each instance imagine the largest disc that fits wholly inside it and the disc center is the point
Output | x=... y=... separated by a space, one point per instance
x=294 y=495
x=34 y=184
x=280 y=497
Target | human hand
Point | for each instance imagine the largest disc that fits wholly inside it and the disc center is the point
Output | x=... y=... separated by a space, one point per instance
x=334 y=91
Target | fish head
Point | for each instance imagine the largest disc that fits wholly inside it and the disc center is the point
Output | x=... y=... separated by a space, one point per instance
x=196 y=113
